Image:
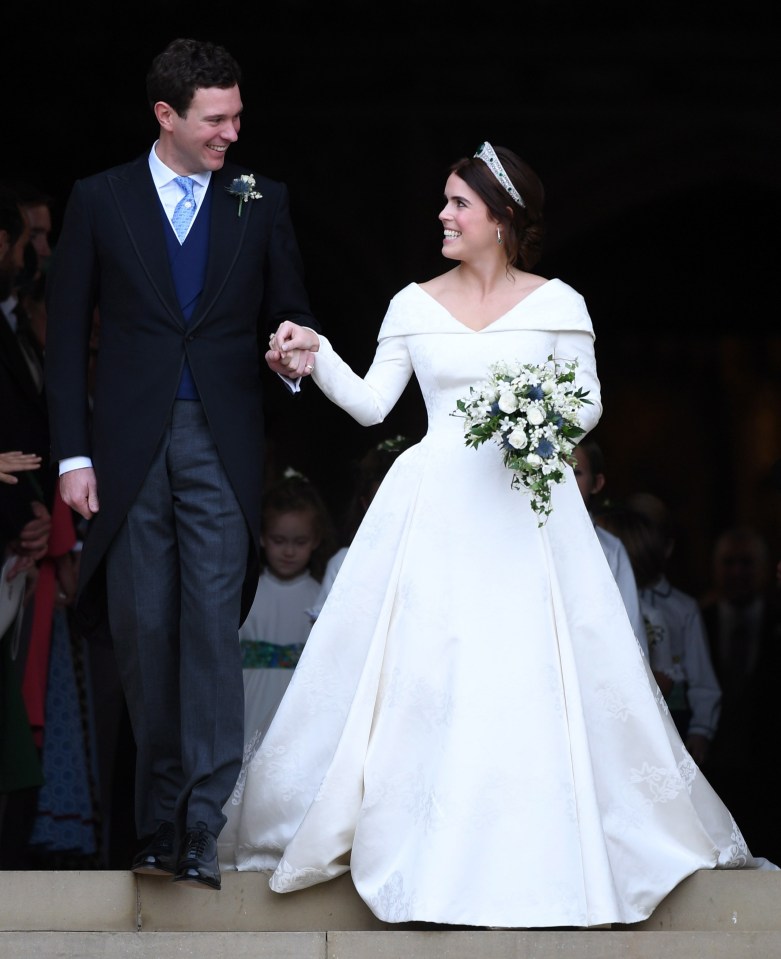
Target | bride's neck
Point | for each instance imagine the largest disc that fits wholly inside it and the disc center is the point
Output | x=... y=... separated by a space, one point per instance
x=484 y=280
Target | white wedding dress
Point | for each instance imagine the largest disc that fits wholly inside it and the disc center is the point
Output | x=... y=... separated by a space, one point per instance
x=472 y=729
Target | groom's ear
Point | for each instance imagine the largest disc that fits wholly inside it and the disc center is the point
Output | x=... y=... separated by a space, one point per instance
x=165 y=114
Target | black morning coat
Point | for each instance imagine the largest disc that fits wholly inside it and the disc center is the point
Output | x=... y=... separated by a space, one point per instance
x=111 y=257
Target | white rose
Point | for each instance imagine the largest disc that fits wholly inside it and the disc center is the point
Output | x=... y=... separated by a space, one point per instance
x=508 y=403
x=534 y=460
x=535 y=416
x=517 y=439
x=548 y=385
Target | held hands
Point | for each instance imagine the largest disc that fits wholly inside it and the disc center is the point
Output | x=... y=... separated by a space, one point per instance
x=79 y=490
x=292 y=350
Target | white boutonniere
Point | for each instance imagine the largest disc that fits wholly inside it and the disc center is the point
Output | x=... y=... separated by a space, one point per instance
x=244 y=188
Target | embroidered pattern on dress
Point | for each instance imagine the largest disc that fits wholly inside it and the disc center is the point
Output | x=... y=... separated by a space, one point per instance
x=286 y=878
x=688 y=770
x=736 y=856
x=662 y=784
x=614 y=702
x=391 y=903
x=433 y=705
x=279 y=765
x=250 y=748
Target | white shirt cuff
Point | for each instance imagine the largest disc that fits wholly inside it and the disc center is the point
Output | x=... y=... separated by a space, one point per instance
x=293 y=385
x=74 y=463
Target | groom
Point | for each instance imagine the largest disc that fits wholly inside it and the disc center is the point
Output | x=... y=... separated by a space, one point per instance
x=188 y=262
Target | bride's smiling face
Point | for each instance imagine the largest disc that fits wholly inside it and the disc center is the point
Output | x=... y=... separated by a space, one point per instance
x=468 y=226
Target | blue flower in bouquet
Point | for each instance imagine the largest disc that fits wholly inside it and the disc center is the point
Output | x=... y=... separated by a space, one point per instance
x=531 y=412
x=545 y=449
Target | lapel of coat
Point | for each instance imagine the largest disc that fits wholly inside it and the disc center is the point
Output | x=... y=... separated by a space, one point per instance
x=226 y=235
x=139 y=207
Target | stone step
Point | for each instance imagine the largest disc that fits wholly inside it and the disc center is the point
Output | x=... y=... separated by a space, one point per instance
x=433 y=944
x=44 y=915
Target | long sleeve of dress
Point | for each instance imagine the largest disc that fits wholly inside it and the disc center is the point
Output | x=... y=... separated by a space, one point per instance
x=577 y=346
x=367 y=399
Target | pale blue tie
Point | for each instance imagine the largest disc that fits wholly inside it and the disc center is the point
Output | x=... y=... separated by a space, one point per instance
x=185 y=208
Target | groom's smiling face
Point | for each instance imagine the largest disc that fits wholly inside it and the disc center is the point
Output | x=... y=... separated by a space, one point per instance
x=199 y=140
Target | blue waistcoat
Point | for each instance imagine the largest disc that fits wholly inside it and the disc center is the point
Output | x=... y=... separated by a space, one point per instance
x=188 y=268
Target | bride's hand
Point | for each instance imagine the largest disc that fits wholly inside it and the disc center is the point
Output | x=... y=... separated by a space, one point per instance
x=291 y=350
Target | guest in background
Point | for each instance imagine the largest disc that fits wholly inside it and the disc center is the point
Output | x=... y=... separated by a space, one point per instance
x=36 y=206
x=37 y=528
x=645 y=549
x=24 y=422
x=589 y=469
x=742 y=617
x=695 y=699
x=15 y=461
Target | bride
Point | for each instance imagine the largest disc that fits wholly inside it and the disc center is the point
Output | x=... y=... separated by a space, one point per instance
x=472 y=730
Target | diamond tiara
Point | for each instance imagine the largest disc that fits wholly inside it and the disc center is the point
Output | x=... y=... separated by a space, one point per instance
x=487 y=154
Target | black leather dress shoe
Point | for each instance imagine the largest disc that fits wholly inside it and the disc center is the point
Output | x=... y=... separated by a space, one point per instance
x=157 y=857
x=197 y=865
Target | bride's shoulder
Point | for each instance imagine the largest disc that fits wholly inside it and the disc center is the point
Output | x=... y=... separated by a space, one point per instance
x=529 y=281
x=559 y=286
x=551 y=289
x=437 y=284
x=405 y=298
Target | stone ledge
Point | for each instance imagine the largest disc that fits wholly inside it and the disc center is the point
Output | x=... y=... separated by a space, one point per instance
x=723 y=902
x=78 y=900
x=163 y=945
x=585 y=944
x=589 y=944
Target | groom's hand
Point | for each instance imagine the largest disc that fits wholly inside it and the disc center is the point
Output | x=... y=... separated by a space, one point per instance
x=79 y=490
x=292 y=350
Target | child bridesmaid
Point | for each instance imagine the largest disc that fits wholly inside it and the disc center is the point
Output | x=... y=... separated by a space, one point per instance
x=297 y=540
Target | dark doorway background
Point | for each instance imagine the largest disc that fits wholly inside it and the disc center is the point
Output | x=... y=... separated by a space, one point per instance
x=655 y=129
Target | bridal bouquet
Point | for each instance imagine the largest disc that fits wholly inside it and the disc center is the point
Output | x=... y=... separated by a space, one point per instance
x=531 y=413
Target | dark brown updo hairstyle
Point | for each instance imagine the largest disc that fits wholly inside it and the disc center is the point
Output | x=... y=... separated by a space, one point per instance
x=522 y=227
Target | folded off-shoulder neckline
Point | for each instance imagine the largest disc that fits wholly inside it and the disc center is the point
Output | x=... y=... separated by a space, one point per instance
x=498 y=319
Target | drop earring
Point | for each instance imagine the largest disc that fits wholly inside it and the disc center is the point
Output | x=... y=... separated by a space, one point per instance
x=498 y=236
